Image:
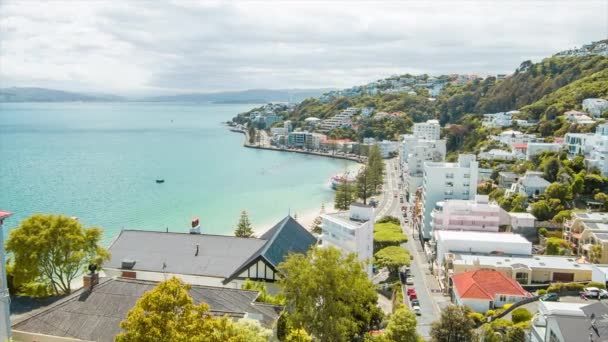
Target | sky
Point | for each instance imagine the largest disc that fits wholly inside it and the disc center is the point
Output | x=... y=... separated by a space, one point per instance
x=168 y=46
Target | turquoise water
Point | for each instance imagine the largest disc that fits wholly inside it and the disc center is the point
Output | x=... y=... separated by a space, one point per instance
x=99 y=162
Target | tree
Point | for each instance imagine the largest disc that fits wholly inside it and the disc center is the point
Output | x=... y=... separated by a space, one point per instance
x=344 y=196
x=298 y=335
x=328 y=294
x=542 y=211
x=388 y=234
x=53 y=250
x=453 y=325
x=364 y=186
x=392 y=257
x=520 y=315
x=402 y=326
x=551 y=169
x=557 y=246
x=251 y=134
x=388 y=218
x=243 y=228
x=376 y=167
x=578 y=185
x=560 y=191
x=596 y=254
x=602 y=198
x=263 y=296
x=168 y=313
x=516 y=334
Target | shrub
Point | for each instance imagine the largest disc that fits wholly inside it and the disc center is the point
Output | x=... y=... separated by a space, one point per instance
x=490 y=313
x=542 y=232
x=520 y=315
x=507 y=306
x=541 y=292
x=477 y=317
x=389 y=219
x=596 y=284
x=575 y=287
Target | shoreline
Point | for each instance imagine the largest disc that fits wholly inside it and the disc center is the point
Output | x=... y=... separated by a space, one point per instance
x=320 y=154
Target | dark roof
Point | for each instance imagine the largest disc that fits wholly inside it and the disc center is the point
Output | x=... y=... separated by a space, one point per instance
x=218 y=255
x=597 y=323
x=287 y=236
x=96 y=315
x=573 y=329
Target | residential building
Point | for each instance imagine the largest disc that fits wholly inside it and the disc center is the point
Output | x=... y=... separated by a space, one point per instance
x=576 y=143
x=205 y=259
x=598 y=156
x=444 y=181
x=484 y=175
x=429 y=130
x=342 y=119
x=351 y=231
x=595 y=107
x=506 y=179
x=525 y=269
x=511 y=138
x=447 y=241
x=578 y=117
x=367 y=112
x=94 y=313
x=535 y=148
x=497 y=154
x=278 y=131
x=288 y=125
x=521 y=222
x=467 y=215
x=484 y=290
x=269 y=120
x=299 y=139
x=5 y=323
x=531 y=184
x=586 y=229
x=414 y=153
x=599 y=273
x=570 y=322
x=502 y=119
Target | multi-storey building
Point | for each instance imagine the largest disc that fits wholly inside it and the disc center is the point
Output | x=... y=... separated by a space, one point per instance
x=429 y=130
x=351 y=231
x=444 y=181
x=584 y=230
x=414 y=152
x=595 y=107
x=468 y=215
x=594 y=146
x=343 y=119
x=502 y=119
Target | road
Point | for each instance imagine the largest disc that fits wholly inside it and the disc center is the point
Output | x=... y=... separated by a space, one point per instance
x=426 y=286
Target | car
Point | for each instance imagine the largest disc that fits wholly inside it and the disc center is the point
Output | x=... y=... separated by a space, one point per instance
x=594 y=292
x=410 y=290
x=395 y=195
x=603 y=294
x=413 y=296
x=550 y=297
x=416 y=310
x=409 y=281
x=415 y=302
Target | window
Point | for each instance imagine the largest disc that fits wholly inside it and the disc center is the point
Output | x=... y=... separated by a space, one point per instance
x=502 y=298
x=521 y=277
x=449 y=192
x=466 y=175
x=466 y=185
x=449 y=184
x=449 y=175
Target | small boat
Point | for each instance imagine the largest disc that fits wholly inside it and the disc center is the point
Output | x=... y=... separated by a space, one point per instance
x=160 y=181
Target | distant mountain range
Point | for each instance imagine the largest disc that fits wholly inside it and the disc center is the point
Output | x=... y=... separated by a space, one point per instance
x=27 y=94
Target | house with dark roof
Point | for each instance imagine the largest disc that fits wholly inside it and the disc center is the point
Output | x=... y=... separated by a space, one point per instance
x=483 y=290
x=570 y=322
x=94 y=313
x=205 y=259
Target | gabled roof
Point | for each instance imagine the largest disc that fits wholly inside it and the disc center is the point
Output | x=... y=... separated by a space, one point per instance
x=486 y=284
x=96 y=315
x=287 y=236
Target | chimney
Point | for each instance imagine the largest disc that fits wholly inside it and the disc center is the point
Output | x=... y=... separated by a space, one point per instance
x=196 y=254
x=90 y=280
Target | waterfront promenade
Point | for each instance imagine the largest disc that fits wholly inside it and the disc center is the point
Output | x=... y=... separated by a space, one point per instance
x=265 y=145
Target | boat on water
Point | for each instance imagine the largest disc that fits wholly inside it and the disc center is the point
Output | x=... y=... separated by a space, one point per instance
x=160 y=181
x=347 y=176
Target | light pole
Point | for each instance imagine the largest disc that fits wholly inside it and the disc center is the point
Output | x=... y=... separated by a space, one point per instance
x=5 y=321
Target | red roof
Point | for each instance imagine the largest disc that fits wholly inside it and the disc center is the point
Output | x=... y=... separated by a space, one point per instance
x=520 y=146
x=4 y=214
x=486 y=284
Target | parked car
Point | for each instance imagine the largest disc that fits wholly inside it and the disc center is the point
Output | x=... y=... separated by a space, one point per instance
x=410 y=290
x=594 y=292
x=415 y=302
x=550 y=297
x=409 y=281
x=413 y=296
x=416 y=310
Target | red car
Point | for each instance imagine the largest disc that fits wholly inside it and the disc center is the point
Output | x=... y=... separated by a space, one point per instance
x=413 y=296
x=410 y=290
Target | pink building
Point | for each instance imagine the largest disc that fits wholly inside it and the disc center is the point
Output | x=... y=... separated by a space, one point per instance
x=468 y=215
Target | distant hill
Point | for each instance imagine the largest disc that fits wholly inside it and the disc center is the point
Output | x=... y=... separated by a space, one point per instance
x=245 y=96
x=30 y=94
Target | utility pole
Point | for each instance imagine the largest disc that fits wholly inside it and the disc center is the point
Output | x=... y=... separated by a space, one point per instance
x=5 y=299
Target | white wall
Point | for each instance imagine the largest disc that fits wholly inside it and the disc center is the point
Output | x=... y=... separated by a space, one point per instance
x=189 y=279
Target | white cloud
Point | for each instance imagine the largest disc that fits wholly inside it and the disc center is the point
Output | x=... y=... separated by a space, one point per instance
x=174 y=46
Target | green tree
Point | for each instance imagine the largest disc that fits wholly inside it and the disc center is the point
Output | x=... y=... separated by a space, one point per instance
x=263 y=296
x=298 y=335
x=520 y=315
x=392 y=257
x=557 y=246
x=560 y=191
x=542 y=211
x=602 y=198
x=345 y=195
x=375 y=162
x=328 y=294
x=53 y=250
x=402 y=326
x=578 y=185
x=168 y=313
x=455 y=324
x=251 y=133
x=243 y=228
x=388 y=234
x=364 y=185
x=596 y=254
x=562 y=216
x=516 y=334
x=388 y=218
x=519 y=203
x=551 y=169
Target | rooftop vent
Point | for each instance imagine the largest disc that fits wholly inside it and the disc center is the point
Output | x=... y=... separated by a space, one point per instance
x=127 y=264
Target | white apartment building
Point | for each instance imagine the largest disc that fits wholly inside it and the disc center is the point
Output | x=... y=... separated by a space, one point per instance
x=343 y=119
x=414 y=152
x=512 y=138
x=578 y=117
x=443 y=181
x=468 y=215
x=352 y=232
x=535 y=148
x=502 y=119
x=594 y=146
x=429 y=130
x=497 y=154
x=561 y=322
x=595 y=107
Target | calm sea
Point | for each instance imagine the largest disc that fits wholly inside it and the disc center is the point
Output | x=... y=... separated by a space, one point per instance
x=99 y=162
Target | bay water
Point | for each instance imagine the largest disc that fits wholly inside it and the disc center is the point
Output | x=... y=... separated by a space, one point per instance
x=100 y=161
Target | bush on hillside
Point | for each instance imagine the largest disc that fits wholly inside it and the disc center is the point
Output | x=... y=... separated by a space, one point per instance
x=520 y=315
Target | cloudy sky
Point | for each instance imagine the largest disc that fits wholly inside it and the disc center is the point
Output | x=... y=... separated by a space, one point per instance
x=173 y=46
